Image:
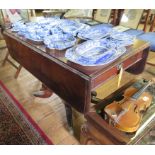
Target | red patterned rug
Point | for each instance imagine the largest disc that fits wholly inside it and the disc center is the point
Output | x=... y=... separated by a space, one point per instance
x=16 y=125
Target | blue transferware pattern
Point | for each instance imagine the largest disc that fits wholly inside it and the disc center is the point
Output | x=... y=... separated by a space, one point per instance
x=59 y=41
x=72 y=27
x=49 y=22
x=56 y=30
x=94 y=53
x=94 y=32
x=122 y=38
x=32 y=34
x=121 y=35
x=31 y=24
x=42 y=33
x=23 y=30
x=17 y=26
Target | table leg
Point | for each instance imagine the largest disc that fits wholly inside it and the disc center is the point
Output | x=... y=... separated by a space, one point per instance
x=69 y=117
x=44 y=92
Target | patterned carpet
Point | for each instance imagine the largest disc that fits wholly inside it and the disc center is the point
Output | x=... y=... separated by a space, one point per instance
x=16 y=126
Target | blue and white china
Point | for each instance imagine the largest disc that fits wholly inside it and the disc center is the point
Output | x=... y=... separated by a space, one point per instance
x=33 y=37
x=22 y=30
x=31 y=24
x=17 y=26
x=59 y=41
x=48 y=21
x=94 y=53
x=121 y=38
x=42 y=33
x=94 y=32
x=56 y=30
x=32 y=34
x=72 y=27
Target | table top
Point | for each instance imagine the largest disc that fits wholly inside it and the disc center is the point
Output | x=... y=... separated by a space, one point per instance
x=88 y=72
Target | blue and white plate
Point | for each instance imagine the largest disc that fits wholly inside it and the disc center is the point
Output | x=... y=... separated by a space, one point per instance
x=56 y=30
x=42 y=33
x=94 y=53
x=59 y=41
x=121 y=36
x=72 y=27
x=17 y=26
x=32 y=35
x=49 y=22
x=94 y=32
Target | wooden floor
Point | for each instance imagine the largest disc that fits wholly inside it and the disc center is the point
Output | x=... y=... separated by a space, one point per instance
x=49 y=113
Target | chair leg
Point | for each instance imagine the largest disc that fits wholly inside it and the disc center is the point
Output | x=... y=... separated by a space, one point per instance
x=152 y=24
x=146 y=20
x=151 y=64
x=6 y=58
x=18 y=68
x=18 y=71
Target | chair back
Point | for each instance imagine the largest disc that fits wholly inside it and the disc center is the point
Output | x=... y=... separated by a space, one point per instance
x=131 y=18
x=102 y=15
x=8 y=16
x=79 y=13
x=153 y=21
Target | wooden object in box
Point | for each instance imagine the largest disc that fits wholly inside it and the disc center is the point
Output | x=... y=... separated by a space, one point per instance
x=97 y=130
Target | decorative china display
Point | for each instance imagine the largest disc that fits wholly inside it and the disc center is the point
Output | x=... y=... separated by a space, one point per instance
x=94 y=53
x=59 y=41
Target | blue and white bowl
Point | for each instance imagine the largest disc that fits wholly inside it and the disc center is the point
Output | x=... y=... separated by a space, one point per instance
x=59 y=41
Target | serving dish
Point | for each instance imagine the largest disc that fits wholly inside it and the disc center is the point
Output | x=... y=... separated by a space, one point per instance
x=94 y=53
x=59 y=41
x=122 y=38
x=72 y=27
x=33 y=37
x=94 y=32
x=17 y=26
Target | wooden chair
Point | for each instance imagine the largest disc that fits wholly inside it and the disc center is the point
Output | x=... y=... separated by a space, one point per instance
x=106 y=17
x=145 y=18
x=130 y=21
x=13 y=64
x=7 y=59
x=150 y=37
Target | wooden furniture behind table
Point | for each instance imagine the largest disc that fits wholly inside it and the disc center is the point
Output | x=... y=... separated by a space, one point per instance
x=152 y=26
x=97 y=129
x=7 y=24
x=71 y=82
x=6 y=59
